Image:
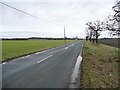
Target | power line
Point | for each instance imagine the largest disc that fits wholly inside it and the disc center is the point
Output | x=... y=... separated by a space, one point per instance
x=28 y=13
x=34 y=17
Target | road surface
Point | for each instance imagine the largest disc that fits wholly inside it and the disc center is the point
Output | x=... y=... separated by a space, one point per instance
x=51 y=68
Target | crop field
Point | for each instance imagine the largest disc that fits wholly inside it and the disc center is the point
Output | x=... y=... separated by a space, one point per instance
x=111 y=42
x=15 y=48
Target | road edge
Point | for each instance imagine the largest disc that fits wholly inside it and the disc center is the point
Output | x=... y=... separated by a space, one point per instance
x=75 y=77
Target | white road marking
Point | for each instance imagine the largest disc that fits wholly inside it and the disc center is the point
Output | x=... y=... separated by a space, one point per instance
x=75 y=73
x=81 y=50
x=69 y=46
x=22 y=57
x=14 y=60
x=27 y=55
x=37 y=53
x=73 y=82
x=4 y=63
x=66 y=48
x=44 y=59
x=72 y=44
x=43 y=51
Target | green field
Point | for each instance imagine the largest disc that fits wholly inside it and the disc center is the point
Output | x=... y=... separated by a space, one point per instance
x=15 y=48
x=99 y=66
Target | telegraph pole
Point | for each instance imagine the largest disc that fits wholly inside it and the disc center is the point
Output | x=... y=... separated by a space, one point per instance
x=64 y=35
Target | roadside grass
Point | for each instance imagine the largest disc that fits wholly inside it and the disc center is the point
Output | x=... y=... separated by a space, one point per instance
x=99 y=66
x=16 y=48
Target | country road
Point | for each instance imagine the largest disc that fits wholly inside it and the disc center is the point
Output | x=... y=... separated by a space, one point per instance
x=51 y=68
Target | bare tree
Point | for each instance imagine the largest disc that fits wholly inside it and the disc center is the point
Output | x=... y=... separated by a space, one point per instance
x=116 y=9
x=95 y=28
x=113 y=22
x=90 y=29
x=112 y=26
x=87 y=34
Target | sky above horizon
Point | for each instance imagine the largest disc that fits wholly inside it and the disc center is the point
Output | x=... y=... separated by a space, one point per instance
x=53 y=15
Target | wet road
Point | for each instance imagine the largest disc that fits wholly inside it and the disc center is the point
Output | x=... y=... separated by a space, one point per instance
x=51 y=68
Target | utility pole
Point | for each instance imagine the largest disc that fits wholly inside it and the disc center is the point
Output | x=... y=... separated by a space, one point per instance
x=64 y=35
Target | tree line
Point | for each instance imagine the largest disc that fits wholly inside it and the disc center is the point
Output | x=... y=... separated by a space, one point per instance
x=41 y=38
x=112 y=24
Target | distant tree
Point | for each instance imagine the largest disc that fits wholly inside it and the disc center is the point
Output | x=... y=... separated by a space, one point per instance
x=95 y=28
x=89 y=31
x=87 y=34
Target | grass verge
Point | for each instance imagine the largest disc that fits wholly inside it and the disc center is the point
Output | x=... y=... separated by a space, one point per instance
x=15 y=48
x=99 y=66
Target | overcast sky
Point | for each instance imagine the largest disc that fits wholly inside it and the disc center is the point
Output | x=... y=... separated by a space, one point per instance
x=53 y=15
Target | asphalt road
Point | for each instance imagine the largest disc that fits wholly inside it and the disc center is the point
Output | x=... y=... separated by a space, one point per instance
x=51 y=68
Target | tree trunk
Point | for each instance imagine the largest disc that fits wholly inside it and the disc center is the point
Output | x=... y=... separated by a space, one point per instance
x=96 y=36
x=93 y=40
x=90 y=39
x=96 y=39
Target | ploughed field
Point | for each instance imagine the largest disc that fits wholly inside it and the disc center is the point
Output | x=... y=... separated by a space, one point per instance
x=111 y=42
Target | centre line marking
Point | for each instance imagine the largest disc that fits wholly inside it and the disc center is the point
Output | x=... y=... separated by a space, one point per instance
x=66 y=47
x=4 y=63
x=44 y=59
x=69 y=46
